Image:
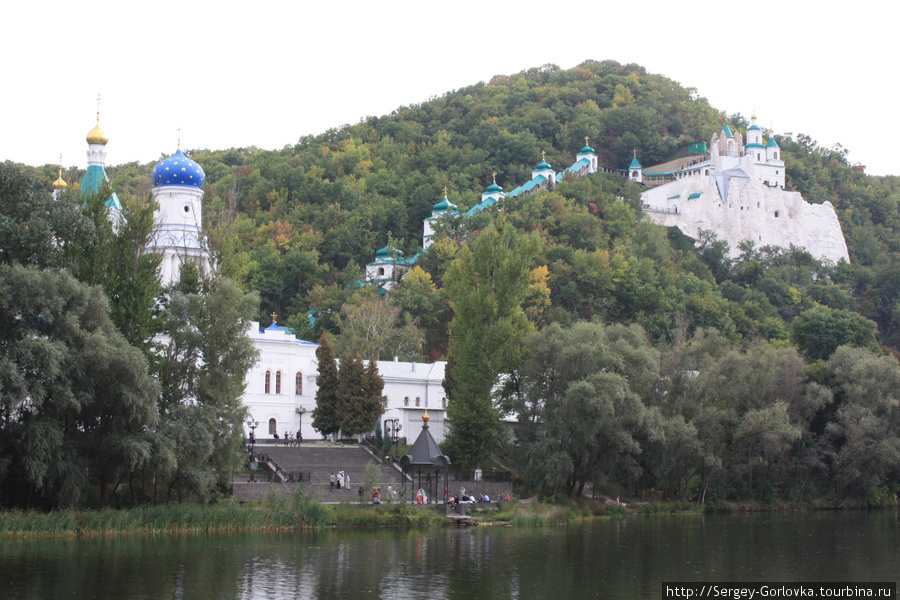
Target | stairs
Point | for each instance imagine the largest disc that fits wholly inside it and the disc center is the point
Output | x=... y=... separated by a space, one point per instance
x=316 y=463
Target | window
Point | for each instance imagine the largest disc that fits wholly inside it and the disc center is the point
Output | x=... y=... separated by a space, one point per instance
x=268 y=382
x=417 y=400
x=278 y=382
x=273 y=427
x=298 y=384
x=443 y=402
x=381 y=270
x=776 y=214
x=775 y=155
x=406 y=401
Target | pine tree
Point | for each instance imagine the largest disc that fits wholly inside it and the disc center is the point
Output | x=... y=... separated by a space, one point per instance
x=325 y=415
x=373 y=384
x=351 y=397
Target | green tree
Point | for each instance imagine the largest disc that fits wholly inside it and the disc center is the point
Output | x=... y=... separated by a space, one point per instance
x=203 y=367
x=820 y=330
x=578 y=400
x=374 y=328
x=352 y=399
x=487 y=286
x=76 y=401
x=326 y=418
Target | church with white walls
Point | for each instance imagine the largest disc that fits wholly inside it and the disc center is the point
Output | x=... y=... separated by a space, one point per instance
x=280 y=390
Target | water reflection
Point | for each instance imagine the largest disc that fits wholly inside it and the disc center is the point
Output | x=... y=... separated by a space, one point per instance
x=626 y=558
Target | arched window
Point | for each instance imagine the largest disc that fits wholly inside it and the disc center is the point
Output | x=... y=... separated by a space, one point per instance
x=268 y=382
x=406 y=401
x=417 y=400
x=278 y=382
x=273 y=427
x=775 y=155
x=381 y=270
x=298 y=384
x=443 y=402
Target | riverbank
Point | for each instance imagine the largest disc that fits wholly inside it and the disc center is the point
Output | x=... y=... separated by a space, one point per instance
x=303 y=512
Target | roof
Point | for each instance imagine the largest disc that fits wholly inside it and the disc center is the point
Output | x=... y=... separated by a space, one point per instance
x=410 y=371
x=634 y=163
x=527 y=186
x=425 y=450
x=727 y=131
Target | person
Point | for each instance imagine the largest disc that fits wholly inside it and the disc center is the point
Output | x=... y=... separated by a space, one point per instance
x=361 y=492
x=487 y=499
x=346 y=481
x=332 y=480
x=299 y=437
x=276 y=438
x=340 y=479
x=419 y=497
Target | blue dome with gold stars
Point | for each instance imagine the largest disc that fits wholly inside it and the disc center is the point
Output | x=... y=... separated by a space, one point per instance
x=178 y=169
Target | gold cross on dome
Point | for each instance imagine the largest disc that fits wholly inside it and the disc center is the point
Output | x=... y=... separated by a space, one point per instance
x=494 y=175
x=586 y=138
x=274 y=316
x=543 y=156
x=445 y=191
x=98 y=107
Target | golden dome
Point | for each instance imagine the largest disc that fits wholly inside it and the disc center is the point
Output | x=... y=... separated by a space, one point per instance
x=96 y=135
x=60 y=183
x=425 y=417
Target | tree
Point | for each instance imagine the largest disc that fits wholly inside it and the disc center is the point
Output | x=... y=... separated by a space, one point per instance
x=352 y=399
x=863 y=439
x=115 y=257
x=360 y=398
x=35 y=230
x=203 y=367
x=487 y=286
x=372 y=327
x=76 y=401
x=820 y=330
x=578 y=403
x=325 y=415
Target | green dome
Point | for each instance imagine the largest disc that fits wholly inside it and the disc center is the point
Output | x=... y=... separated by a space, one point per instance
x=586 y=150
x=542 y=166
x=493 y=188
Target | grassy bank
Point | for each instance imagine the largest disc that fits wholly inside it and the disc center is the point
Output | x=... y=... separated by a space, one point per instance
x=303 y=512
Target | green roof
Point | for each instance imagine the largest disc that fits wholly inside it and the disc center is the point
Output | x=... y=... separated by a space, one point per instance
x=727 y=131
x=634 y=163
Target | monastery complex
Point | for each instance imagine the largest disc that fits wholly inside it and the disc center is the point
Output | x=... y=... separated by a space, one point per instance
x=735 y=190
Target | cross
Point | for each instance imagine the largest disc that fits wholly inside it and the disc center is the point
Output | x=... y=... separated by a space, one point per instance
x=494 y=175
x=445 y=191
x=98 y=107
x=635 y=152
x=273 y=317
x=179 y=141
x=586 y=138
x=543 y=156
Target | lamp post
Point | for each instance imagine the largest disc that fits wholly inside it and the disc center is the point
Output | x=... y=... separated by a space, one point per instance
x=393 y=426
x=252 y=425
x=300 y=410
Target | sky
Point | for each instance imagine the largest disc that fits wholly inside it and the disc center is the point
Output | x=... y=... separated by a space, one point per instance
x=229 y=74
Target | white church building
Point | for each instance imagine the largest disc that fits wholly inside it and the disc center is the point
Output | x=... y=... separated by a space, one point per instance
x=280 y=392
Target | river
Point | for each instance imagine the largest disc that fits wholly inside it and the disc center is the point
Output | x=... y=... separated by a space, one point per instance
x=609 y=558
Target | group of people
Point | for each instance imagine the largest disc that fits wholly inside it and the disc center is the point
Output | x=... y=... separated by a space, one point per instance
x=289 y=439
x=464 y=498
x=341 y=480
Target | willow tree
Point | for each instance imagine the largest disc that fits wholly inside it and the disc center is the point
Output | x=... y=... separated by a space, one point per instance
x=487 y=285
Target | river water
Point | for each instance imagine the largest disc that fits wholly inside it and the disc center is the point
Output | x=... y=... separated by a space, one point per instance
x=610 y=558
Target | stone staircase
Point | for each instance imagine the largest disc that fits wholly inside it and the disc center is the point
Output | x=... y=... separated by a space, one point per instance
x=316 y=462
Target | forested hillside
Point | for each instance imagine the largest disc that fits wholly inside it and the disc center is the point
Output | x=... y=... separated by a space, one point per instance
x=297 y=224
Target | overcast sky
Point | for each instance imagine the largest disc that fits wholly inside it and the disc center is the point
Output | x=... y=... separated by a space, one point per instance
x=232 y=74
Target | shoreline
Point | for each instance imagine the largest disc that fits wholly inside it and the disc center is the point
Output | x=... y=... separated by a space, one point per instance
x=305 y=513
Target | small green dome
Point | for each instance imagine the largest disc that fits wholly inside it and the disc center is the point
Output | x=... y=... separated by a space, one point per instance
x=542 y=166
x=586 y=150
x=493 y=188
